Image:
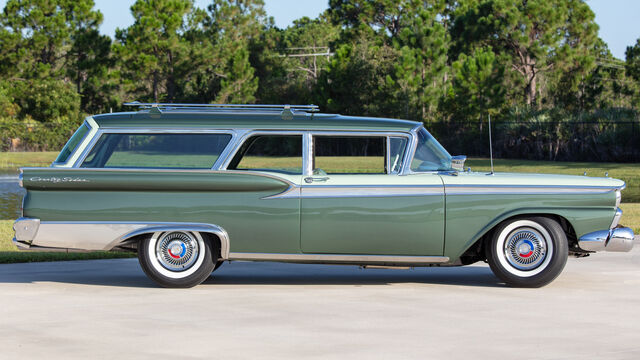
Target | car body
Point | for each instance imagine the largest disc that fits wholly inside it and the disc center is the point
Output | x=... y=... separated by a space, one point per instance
x=190 y=186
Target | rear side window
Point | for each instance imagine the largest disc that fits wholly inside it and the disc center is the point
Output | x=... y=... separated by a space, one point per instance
x=280 y=153
x=349 y=155
x=174 y=151
x=72 y=144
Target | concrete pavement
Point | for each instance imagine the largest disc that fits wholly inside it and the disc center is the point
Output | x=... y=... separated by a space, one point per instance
x=108 y=309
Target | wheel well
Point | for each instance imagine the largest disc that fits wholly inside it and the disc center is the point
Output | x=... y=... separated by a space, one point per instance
x=476 y=252
x=132 y=243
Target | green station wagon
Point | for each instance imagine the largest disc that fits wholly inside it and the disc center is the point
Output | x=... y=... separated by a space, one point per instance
x=188 y=187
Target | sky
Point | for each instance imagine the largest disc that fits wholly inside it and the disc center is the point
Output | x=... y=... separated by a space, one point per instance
x=618 y=19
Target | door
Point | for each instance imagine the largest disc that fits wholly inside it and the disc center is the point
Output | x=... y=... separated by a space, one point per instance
x=356 y=203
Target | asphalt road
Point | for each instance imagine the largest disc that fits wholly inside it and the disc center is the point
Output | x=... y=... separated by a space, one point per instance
x=108 y=309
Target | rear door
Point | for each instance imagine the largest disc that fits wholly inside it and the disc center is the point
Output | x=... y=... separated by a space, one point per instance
x=355 y=202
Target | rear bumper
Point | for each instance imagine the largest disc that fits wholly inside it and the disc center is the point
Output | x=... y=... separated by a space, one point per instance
x=619 y=239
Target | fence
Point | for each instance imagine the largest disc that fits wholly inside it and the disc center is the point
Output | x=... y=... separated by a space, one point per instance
x=603 y=140
x=599 y=140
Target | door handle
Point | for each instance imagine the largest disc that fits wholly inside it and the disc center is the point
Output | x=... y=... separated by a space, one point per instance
x=311 y=179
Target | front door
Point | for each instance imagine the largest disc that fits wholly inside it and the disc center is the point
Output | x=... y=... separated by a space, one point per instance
x=355 y=204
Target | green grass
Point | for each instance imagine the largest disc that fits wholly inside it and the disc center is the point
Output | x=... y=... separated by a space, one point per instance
x=631 y=216
x=10 y=254
x=15 y=160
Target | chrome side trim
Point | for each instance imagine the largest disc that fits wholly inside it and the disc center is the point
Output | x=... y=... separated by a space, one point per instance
x=618 y=239
x=525 y=189
x=24 y=246
x=339 y=259
x=619 y=197
x=616 y=218
x=353 y=191
x=336 y=191
x=105 y=235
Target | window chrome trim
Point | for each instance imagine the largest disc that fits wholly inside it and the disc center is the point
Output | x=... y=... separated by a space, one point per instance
x=246 y=135
x=307 y=154
x=386 y=134
x=151 y=130
x=72 y=159
x=411 y=151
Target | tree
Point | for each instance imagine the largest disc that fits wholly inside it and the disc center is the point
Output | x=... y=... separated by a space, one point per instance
x=423 y=47
x=538 y=35
x=37 y=35
x=632 y=68
x=478 y=85
x=290 y=62
x=633 y=61
x=153 y=50
x=356 y=81
x=222 y=70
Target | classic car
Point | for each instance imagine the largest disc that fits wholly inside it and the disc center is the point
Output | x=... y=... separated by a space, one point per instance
x=190 y=186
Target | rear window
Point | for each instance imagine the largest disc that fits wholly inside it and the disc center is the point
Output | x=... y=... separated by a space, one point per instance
x=72 y=144
x=174 y=151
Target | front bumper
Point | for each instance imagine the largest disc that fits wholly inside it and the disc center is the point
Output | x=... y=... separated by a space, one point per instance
x=619 y=239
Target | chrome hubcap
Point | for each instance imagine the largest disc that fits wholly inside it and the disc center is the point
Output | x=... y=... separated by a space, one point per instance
x=177 y=251
x=525 y=248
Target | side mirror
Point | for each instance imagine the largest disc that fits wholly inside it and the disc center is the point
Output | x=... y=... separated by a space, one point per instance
x=457 y=162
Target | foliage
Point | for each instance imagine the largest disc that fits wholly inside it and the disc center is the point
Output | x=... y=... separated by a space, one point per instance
x=448 y=63
x=540 y=36
x=478 y=85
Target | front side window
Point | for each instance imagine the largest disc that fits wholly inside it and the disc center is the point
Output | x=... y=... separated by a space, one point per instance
x=173 y=151
x=72 y=144
x=349 y=155
x=430 y=155
x=279 y=153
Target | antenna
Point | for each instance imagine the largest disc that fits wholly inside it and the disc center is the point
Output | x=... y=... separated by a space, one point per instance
x=490 y=146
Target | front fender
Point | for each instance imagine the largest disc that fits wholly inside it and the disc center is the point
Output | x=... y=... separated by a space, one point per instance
x=583 y=221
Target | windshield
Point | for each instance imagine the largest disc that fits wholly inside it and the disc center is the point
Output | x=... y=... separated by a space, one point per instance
x=430 y=155
x=72 y=144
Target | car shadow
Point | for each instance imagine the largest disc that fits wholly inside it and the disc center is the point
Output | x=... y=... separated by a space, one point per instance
x=237 y=273
x=127 y=273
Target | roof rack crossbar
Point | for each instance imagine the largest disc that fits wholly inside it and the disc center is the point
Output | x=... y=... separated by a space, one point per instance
x=240 y=107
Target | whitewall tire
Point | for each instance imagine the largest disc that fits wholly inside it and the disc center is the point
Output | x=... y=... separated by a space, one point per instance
x=177 y=258
x=527 y=252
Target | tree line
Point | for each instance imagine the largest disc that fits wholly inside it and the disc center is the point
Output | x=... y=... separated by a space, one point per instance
x=448 y=63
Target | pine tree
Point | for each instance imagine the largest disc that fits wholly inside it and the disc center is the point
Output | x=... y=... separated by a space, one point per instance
x=153 y=51
x=539 y=35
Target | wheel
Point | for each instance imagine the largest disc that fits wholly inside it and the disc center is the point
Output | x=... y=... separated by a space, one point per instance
x=177 y=259
x=528 y=252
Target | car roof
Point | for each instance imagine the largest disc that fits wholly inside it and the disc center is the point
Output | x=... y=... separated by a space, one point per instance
x=266 y=120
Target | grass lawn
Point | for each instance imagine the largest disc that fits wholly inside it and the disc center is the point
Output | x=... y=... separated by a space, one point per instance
x=14 y=160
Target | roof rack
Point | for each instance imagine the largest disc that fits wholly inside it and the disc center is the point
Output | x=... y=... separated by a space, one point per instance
x=285 y=109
